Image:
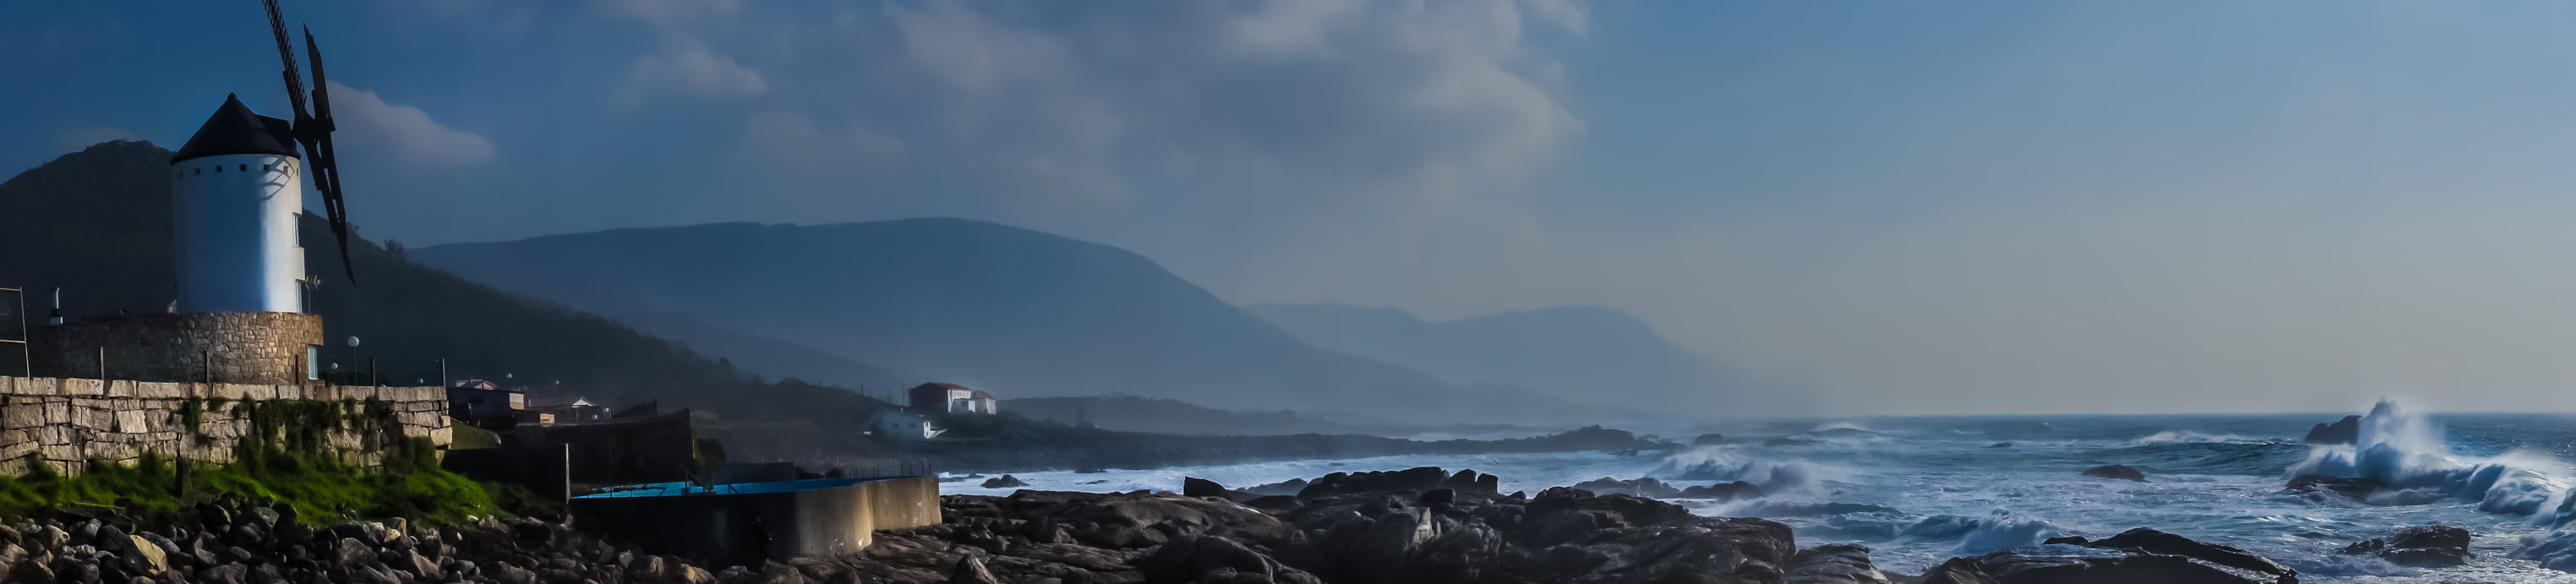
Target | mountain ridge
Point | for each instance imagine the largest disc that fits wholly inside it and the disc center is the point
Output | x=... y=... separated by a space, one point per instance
x=1564 y=350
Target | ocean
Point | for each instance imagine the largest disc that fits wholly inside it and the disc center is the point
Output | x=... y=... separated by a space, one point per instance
x=1917 y=491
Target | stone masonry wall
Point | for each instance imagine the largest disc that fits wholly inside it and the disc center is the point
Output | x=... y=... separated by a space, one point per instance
x=65 y=423
x=231 y=347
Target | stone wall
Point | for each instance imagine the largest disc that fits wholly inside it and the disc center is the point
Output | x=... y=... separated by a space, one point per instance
x=226 y=347
x=66 y=422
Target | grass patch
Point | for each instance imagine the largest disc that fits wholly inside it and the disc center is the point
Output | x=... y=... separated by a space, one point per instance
x=321 y=491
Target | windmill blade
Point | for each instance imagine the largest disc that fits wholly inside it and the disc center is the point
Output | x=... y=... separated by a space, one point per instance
x=326 y=161
x=286 y=52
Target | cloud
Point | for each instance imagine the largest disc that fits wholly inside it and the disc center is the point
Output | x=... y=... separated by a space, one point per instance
x=401 y=133
x=1332 y=99
x=83 y=137
x=794 y=142
x=690 y=69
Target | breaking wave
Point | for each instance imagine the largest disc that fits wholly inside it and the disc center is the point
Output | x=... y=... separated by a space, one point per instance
x=1722 y=463
x=1999 y=530
x=2405 y=451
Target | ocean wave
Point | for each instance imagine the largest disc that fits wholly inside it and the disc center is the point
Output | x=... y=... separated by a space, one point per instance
x=2224 y=458
x=2187 y=436
x=2405 y=451
x=1723 y=463
x=2000 y=530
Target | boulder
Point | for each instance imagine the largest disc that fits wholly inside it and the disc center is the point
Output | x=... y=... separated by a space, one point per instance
x=1957 y=571
x=1709 y=439
x=1004 y=482
x=1722 y=491
x=1141 y=520
x=2353 y=488
x=1210 y=559
x=2428 y=546
x=2000 y=445
x=1642 y=487
x=1199 y=487
x=2073 y=564
x=1414 y=480
x=971 y=571
x=2344 y=431
x=1288 y=487
x=2157 y=542
x=2116 y=471
x=1834 y=564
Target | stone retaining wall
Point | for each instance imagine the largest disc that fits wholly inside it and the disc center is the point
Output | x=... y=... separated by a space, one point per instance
x=224 y=347
x=67 y=422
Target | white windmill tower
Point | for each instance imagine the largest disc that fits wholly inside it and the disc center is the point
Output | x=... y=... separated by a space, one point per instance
x=240 y=183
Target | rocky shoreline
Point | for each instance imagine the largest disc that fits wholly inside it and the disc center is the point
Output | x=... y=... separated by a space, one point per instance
x=1423 y=525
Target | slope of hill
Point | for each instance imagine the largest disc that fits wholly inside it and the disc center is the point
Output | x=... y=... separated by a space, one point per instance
x=1577 y=350
x=98 y=225
x=1014 y=311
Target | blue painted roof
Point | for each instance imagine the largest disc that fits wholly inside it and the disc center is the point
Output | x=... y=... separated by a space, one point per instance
x=685 y=489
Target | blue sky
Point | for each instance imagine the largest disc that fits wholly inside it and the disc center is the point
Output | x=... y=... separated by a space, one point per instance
x=1924 y=207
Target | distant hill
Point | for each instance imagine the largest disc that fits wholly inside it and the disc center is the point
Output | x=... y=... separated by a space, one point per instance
x=98 y=224
x=1127 y=413
x=1570 y=351
x=1009 y=310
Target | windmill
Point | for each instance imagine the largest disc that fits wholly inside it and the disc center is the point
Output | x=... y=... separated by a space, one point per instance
x=312 y=130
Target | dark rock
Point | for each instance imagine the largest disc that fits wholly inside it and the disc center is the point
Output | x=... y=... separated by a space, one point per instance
x=2344 y=431
x=2429 y=546
x=1288 y=487
x=971 y=571
x=2353 y=488
x=1199 y=487
x=1787 y=441
x=2066 y=539
x=2000 y=445
x=1709 y=439
x=1723 y=491
x=1439 y=497
x=1957 y=571
x=1642 y=487
x=1204 y=558
x=1834 y=564
x=2158 y=542
x=1004 y=482
x=2116 y=471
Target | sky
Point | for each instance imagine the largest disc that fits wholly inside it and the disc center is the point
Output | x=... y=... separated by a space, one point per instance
x=1894 y=207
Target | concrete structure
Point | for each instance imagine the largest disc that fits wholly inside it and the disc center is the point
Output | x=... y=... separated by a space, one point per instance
x=238 y=187
x=950 y=398
x=65 y=423
x=474 y=399
x=745 y=524
x=903 y=426
x=623 y=452
x=267 y=348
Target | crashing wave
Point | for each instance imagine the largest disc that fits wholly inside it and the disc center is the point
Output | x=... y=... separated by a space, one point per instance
x=2000 y=530
x=2405 y=452
x=1721 y=463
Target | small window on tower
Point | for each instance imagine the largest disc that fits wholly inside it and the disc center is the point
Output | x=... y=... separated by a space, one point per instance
x=198 y=170
x=266 y=167
x=219 y=169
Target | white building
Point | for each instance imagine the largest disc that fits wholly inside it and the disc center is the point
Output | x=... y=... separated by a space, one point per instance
x=903 y=426
x=239 y=187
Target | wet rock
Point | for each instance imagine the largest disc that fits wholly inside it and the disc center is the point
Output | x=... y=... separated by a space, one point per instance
x=971 y=571
x=2353 y=488
x=1288 y=487
x=1834 y=564
x=1957 y=571
x=1199 y=487
x=1709 y=439
x=2116 y=471
x=2000 y=445
x=2344 y=431
x=2428 y=546
x=1642 y=487
x=2139 y=555
x=1723 y=491
x=1004 y=482
x=2067 y=539
x=1205 y=558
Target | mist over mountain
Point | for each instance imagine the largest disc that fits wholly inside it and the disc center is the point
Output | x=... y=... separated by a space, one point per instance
x=1575 y=351
x=1014 y=311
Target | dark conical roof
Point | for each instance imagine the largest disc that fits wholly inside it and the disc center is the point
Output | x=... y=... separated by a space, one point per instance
x=234 y=129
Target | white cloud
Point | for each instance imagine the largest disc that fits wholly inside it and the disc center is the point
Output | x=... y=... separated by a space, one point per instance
x=402 y=133
x=83 y=137
x=792 y=141
x=690 y=69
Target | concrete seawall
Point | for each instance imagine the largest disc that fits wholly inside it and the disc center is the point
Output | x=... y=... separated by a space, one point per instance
x=745 y=524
